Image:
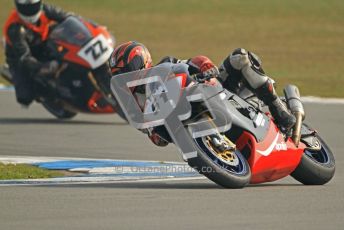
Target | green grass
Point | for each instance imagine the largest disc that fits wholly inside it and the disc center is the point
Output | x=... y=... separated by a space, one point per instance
x=22 y=171
x=2 y=81
x=300 y=42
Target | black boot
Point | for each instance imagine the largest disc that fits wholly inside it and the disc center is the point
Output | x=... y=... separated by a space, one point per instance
x=278 y=110
x=281 y=114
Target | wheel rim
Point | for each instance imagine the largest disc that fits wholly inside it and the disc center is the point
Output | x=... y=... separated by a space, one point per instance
x=320 y=156
x=227 y=156
x=232 y=162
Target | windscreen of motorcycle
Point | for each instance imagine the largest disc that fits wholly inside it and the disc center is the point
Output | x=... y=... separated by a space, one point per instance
x=71 y=31
x=85 y=48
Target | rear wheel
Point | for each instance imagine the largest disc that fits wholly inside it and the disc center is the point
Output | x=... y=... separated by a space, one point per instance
x=56 y=109
x=228 y=167
x=317 y=167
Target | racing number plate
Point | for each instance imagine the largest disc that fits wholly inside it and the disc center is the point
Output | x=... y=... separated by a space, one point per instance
x=96 y=52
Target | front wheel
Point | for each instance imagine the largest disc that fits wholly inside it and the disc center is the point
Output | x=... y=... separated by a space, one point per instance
x=317 y=167
x=226 y=168
x=56 y=109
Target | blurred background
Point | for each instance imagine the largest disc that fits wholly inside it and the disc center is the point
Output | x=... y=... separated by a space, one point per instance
x=300 y=42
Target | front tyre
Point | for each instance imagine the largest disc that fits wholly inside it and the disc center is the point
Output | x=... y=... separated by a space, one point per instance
x=229 y=170
x=316 y=167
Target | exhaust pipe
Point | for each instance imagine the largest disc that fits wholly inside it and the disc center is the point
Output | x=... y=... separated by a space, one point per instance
x=292 y=95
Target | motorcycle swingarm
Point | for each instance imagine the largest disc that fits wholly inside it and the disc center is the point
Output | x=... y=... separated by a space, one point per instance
x=308 y=137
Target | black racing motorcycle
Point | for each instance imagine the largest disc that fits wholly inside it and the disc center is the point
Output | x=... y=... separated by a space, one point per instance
x=81 y=84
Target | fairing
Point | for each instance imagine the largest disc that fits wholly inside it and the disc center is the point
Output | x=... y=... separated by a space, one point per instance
x=81 y=42
x=272 y=158
x=71 y=31
x=84 y=48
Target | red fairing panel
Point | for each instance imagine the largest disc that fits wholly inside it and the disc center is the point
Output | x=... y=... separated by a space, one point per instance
x=96 y=104
x=72 y=54
x=96 y=30
x=273 y=158
x=183 y=77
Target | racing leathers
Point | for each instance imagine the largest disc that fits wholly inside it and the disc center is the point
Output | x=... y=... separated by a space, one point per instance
x=241 y=69
x=24 y=50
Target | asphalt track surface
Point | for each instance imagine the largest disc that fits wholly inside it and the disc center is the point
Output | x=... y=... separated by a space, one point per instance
x=194 y=204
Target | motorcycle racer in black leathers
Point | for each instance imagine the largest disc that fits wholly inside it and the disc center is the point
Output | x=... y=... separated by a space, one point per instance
x=241 y=69
x=25 y=32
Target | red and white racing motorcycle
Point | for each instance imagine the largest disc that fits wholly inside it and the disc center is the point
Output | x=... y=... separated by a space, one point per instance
x=226 y=138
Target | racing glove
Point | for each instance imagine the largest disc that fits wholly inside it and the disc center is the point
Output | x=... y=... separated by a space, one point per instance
x=204 y=66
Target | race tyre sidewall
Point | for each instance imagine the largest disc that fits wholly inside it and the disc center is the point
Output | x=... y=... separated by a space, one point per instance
x=57 y=110
x=206 y=166
x=312 y=172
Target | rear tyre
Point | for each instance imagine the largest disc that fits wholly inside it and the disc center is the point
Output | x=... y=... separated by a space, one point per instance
x=229 y=173
x=316 y=167
x=56 y=109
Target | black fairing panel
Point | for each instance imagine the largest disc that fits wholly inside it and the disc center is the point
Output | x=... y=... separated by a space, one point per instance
x=247 y=117
x=75 y=87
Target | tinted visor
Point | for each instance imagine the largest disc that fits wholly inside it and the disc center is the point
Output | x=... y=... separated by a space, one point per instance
x=30 y=9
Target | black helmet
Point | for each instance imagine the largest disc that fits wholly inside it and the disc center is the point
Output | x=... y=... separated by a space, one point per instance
x=130 y=56
x=29 y=10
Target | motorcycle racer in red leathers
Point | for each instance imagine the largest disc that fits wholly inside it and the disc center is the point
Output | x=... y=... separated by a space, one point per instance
x=25 y=31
